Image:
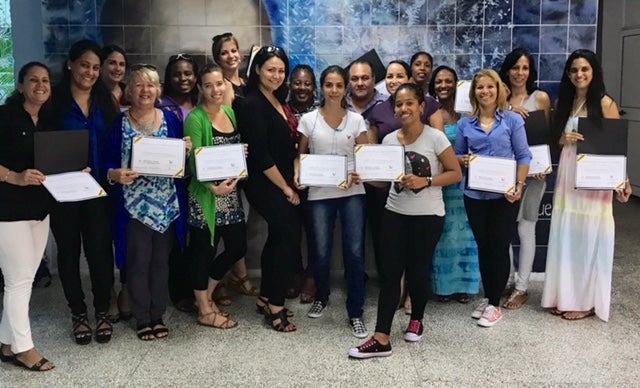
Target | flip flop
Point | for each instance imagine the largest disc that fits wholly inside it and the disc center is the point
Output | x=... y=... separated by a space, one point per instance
x=585 y=314
x=556 y=312
x=37 y=367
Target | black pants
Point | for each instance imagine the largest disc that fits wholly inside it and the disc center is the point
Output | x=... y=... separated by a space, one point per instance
x=87 y=223
x=376 y=200
x=493 y=223
x=407 y=247
x=282 y=248
x=147 y=270
x=205 y=262
x=180 y=264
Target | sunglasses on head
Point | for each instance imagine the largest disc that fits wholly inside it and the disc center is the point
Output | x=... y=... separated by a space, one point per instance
x=181 y=56
x=271 y=49
x=221 y=36
x=139 y=66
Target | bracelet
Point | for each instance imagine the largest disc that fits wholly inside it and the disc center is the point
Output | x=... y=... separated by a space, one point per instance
x=6 y=176
x=430 y=181
x=109 y=180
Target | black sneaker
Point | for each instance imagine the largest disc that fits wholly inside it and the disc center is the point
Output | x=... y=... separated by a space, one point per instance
x=414 y=331
x=317 y=309
x=371 y=348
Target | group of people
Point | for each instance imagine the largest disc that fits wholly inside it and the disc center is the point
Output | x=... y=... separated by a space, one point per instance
x=430 y=233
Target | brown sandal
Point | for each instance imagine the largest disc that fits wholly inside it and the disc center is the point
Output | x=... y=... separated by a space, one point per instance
x=243 y=286
x=578 y=315
x=516 y=300
x=217 y=320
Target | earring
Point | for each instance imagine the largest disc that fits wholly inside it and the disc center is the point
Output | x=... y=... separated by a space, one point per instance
x=68 y=67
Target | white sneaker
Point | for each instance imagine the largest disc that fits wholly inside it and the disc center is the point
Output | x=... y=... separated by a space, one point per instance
x=358 y=329
x=316 y=310
x=490 y=317
x=477 y=313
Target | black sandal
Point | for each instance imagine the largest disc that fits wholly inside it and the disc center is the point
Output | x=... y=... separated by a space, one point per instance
x=264 y=309
x=81 y=329
x=104 y=328
x=160 y=330
x=145 y=332
x=284 y=322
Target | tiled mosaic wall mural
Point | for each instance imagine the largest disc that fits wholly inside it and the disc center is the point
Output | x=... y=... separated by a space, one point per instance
x=466 y=34
x=6 y=51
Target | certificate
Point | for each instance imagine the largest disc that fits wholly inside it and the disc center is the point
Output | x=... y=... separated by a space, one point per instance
x=158 y=156
x=323 y=170
x=489 y=173
x=220 y=162
x=541 y=162
x=73 y=186
x=463 y=104
x=377 y=162
x=601 y=172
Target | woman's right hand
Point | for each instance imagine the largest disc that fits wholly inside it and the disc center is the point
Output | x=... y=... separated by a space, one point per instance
x=124 y=176
x=521 y=110
x=572 y=138
x=29 y=177
x=291 y=195
x=225 y=187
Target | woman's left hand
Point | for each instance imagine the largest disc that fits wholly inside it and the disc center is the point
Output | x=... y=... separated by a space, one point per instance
x=187 y=143
x=514 y=196
x=624 y=194
x=413 y=182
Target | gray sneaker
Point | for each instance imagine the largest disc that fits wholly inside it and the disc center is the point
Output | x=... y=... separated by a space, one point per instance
x=358 y=329
x=316 y=310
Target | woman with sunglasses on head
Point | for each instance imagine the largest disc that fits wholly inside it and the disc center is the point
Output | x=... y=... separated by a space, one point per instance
x=519 y=74
x=150 y=211
x=580 y=252
x=455 y=272
x=83 y=102
x=383 y=121
x=24 y=211
x=492 y=130
x=215 y=208
x=263 y=123
x=114 y=67
x=226 y=53
x=302 y=99
x=413 y=217
x=333 y=130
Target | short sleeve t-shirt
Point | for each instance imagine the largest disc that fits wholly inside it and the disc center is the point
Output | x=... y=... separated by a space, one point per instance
x=324 y=140
x=421 y=159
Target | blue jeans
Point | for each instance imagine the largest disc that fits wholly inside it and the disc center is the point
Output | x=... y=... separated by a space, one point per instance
x=323 y=218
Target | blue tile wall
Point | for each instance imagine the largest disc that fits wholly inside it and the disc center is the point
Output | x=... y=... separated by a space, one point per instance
x=6 y=51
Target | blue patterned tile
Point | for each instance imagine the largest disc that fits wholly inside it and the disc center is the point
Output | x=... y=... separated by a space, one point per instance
x=278 y=35
x=5 y=14
x=527 y=37
x=555 y=11
x=386 y=38
x=493 y=60
x=357 y=40
x=468 y=40
x=301 y=12
x=552 y=90
x=441 y=39
x=497 y=40
x=324 y=61
x=357 y=13
x=442 y=59
x=467 y=66
x=384 y=12
x=413 y=39
x=497 y=12
x=551 y=66
x=277 y=11
x=441 y=12
x=329 y=13
x=469 y=12
x=583 y=12
x=328 y=40
x=56 y=39
x=553 y=39
x=582 y=37
x=85 y=11
x=300 y=40
x=295 y=60
x=413 y=13
x=527 y=12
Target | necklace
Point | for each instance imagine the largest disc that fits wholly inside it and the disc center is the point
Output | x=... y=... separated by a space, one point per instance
x=144 y=127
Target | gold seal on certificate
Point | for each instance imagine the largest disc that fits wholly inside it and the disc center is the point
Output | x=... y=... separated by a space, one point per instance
x=323 y=170
x=220 y=162
x=158 y=156
x=541 y=161
x=490 y=173
x=601 y=172
x=73 y=187
x=377 y=162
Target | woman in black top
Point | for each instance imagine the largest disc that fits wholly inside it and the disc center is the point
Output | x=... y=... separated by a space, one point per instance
x=24 y=211
x=263 y=124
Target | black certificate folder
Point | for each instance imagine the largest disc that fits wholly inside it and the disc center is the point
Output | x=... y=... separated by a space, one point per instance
x=537 y=128
x=61 y=151
x=603 y=136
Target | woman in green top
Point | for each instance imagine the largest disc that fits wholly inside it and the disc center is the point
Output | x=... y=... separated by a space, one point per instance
x=213 y=205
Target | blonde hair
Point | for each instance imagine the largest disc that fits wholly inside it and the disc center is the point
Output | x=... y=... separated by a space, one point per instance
x=501 y=100
x=146 y=74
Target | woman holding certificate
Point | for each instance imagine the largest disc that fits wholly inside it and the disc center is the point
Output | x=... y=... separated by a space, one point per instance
x=519 y=74
x=413 y=217
x=150 y=210
x=581 y=238
x=24 y=211
x=263 y=124
x=83 y=102
x=493 y=131
x=333 y=130
x=215 y=209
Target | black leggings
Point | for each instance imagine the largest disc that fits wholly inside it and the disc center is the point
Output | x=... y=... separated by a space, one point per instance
x=407 y=247
x=205 y=262
x=493 y=222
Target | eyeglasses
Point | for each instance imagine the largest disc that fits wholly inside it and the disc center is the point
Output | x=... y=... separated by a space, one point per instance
x=181 y=56
x=221 y=36
x=139 y=66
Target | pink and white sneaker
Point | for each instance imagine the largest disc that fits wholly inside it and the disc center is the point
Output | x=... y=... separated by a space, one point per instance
x=414 y=331
x=490 y=316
